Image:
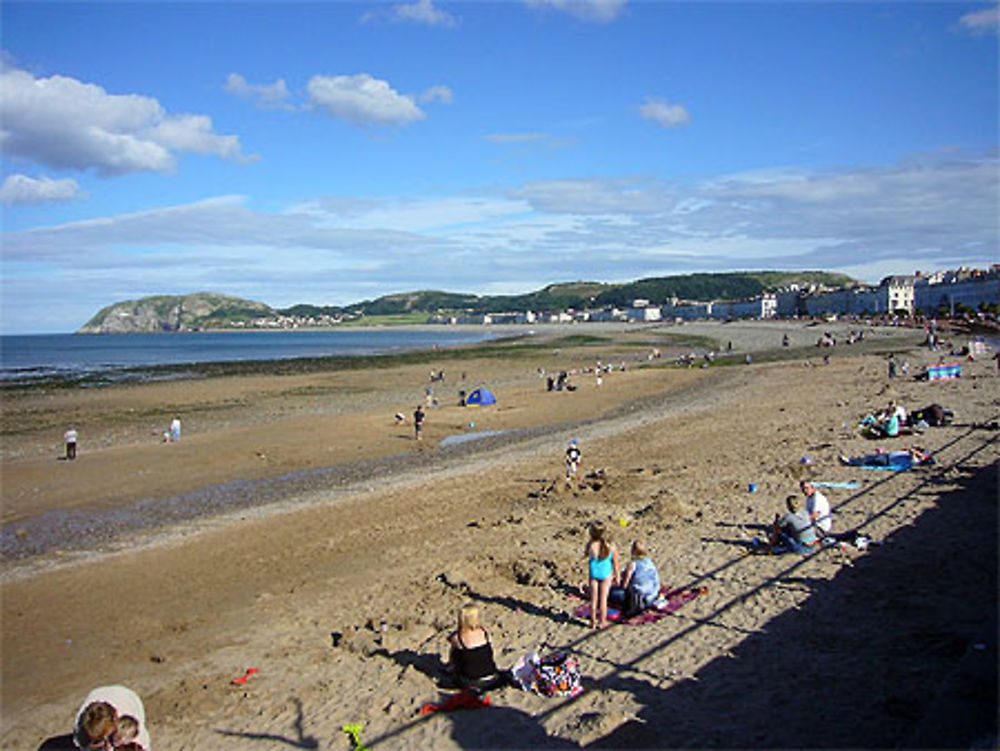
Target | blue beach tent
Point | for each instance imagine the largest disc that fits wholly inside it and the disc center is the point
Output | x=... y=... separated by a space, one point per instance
x=480 y=397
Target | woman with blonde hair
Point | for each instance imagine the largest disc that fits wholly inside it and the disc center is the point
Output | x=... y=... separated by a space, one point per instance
x=471 y=653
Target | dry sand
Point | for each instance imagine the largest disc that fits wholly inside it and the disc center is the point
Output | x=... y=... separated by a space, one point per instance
x=893 y=646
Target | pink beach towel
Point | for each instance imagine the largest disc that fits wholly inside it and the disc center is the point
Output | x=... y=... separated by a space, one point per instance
x=670 y=600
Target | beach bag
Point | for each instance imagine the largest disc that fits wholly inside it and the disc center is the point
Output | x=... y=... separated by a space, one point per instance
x=558 y=674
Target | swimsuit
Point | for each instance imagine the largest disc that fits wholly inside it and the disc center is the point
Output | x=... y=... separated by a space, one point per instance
x=600 y=568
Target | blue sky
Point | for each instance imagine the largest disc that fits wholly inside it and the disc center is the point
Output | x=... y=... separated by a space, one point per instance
x=332 y=152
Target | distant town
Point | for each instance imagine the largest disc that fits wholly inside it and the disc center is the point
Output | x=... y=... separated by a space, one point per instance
x=962 y=292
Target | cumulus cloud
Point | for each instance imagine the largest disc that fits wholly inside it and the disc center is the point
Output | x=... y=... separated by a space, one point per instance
x=67 y=124
x=274 y=96
x=663 y=113
x=21 y=189
x=362 y=100
x=596 y=11
x=985 y=21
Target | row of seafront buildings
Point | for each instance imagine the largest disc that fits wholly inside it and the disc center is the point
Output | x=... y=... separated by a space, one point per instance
x=945 y=292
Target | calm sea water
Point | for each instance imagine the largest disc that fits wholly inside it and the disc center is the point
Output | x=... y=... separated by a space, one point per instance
x=36 y=357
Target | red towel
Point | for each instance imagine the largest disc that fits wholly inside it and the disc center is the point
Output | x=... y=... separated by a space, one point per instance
x=464 y=699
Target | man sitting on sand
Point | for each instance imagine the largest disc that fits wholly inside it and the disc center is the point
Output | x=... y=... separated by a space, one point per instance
x=794 y=531
x=817 y=507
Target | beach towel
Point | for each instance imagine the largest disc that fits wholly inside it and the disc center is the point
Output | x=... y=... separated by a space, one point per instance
x=944 y=371
x=668 y=601
x=849 y=485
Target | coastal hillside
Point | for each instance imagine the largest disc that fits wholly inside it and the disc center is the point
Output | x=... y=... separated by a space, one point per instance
x=210 y=310
x=580 y=294
x=171 y=313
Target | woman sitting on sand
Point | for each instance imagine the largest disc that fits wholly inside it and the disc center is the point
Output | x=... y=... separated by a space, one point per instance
x=602 y=566
x=883 y=425
x=471 y=653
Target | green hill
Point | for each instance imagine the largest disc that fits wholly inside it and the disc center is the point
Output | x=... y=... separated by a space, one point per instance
x=168 y=313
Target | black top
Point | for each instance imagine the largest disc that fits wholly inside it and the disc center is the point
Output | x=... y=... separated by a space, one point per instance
x=474 y=662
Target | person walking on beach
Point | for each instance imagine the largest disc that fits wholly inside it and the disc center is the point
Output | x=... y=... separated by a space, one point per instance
x=573 y=458
x=175 y=429
x=418 y=422
x=70 y=437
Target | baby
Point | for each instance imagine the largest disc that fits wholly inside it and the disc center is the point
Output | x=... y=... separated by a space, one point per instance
x=125 y=734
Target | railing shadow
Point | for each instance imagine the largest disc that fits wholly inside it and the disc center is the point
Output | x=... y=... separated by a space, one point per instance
x=861 y=661
x=658 y=724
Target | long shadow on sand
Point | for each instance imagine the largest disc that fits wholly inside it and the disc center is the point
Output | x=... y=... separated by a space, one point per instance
x=301 y=740
x=866 y=661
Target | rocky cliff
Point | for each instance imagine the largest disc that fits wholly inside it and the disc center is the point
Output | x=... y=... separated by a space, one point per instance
x=166 y=313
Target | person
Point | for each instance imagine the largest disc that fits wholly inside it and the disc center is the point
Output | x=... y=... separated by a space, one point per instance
x=418 y=422
x=602 y=568
x=470 y=654
x=794 y=531
x=933 y=415
x=641 y=577
x=97 y=721
x=573 y=457
x=905 y=459
x=892 y=366
x=126 y=732
x=175 y=429
x=883 y=425
x=817 y=507
x=70 y=437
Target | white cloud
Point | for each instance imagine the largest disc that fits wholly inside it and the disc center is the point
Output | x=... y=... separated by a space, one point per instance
x=597 y=11
x=663 y=113
x=362 y=100
x=266 y=96
x=21 y=189
x=423 y=11
x=926 y=213
x=985 y=21
x=66 y=124
x=437 y=93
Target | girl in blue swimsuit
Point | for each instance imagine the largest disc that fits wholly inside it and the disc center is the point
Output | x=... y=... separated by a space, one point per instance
x=602 y=563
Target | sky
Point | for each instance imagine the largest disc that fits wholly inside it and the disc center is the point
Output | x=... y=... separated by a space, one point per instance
x=332 y=152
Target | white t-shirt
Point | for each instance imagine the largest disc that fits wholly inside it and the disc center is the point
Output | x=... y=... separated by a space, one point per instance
x=818 y=508
x=126 y=702
x=70 y=436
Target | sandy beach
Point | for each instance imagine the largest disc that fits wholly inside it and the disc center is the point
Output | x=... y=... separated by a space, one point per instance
x=297 y=529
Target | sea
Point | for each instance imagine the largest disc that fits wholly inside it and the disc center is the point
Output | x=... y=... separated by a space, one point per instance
x=107 y=358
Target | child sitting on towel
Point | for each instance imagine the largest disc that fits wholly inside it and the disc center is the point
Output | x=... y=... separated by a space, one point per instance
x=640 y=583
